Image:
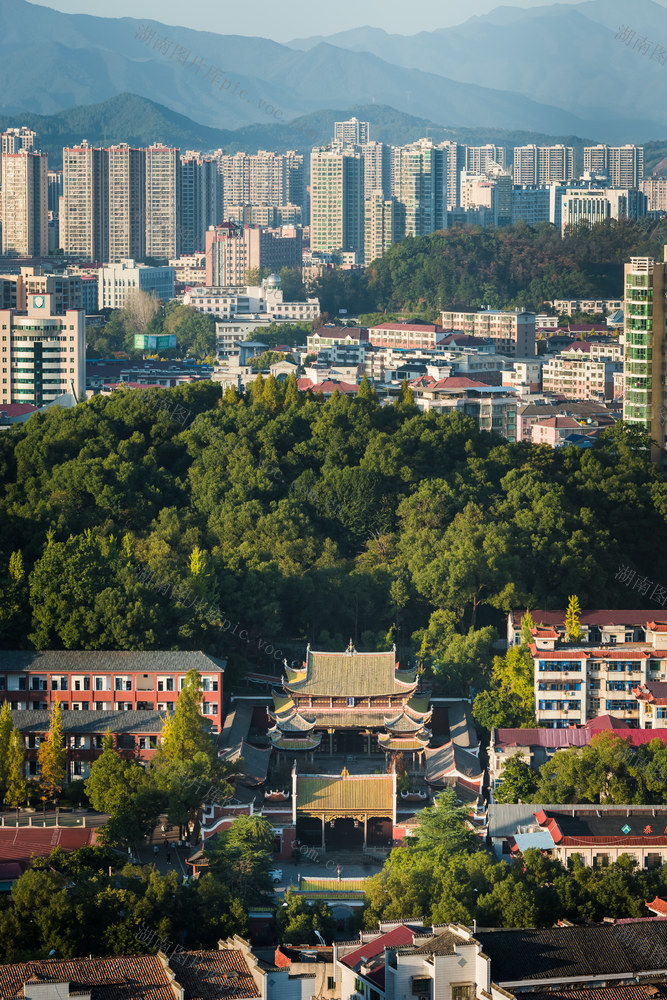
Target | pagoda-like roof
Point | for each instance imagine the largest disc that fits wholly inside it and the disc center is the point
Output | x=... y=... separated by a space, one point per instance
x=403 y=723
x=309 y=741
x=417 y=741
x=295 y=723
x=350 y=674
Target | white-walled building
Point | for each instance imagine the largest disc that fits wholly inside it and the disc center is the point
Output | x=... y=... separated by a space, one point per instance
x=251 y=302
x=116 y=281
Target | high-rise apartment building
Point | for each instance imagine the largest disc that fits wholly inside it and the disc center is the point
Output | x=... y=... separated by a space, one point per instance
x=543 y=164
x=262 y=178
x=419 y=184
x=25 y=204
x=232 y=250
x=480 y=158
x=377 y=167
x=623 y=166
x=379 y=225
x=13 y=140
x=84 y=224
x=200 y=202
x=337 y=199
x=645 y=332
x=352 y=132
x=127 y=203
x=42 y=353
x=55 y=192
x=655 y=189
x=162 y=200
x=457 y=160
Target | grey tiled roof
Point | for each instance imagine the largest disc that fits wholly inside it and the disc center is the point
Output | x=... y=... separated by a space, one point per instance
x=104 y=660
x=568 y=952
x=37 y=721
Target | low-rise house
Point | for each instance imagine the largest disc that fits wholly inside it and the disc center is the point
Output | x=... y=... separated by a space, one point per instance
x=552 y=431
x=599 y=836
x=537 y=746
x=494 y=408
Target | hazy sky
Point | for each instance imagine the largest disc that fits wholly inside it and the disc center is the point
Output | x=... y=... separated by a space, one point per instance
x=295 y=18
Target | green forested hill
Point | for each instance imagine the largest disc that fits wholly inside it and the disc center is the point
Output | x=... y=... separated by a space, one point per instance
x=514 y=266
x=319 y=520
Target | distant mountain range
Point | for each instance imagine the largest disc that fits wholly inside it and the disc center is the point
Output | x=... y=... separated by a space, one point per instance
x=555 y=70
x=138 y=121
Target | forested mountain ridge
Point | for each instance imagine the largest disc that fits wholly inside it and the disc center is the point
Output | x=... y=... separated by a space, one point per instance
x=312 y=520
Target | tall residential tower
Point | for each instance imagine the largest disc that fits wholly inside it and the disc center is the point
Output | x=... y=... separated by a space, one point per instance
x=645 y=329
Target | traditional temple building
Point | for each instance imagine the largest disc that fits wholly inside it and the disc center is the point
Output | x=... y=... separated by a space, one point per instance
x=363 y=703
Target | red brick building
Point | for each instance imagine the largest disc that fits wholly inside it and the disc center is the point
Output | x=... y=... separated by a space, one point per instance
x=108 y=680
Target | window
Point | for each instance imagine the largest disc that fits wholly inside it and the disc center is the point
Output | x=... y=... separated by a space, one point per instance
x=359 y=986
x=331 y=983
x=463 y=991
x=421 y=984
x=601 y=860
x=33 y=742
x=77 y=767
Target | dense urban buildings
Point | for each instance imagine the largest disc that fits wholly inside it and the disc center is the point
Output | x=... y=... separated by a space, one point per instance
x=231 y=251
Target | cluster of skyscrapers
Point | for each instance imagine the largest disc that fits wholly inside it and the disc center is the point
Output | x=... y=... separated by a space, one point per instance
x=117 y=203
x=120 y=202
x=367 y=195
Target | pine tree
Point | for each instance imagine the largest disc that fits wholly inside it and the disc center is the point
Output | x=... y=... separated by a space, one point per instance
x=526 y=624
x=16 y=570
x=572 y=626
x=6 y=727
x=17 y=783
x=52 y=758
x=257 y=390
x=185 y=735
x=198 y=562
x=366 y=391
x=230 y=396
x=406 y=396
x=292 y=395
x=271 y=397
